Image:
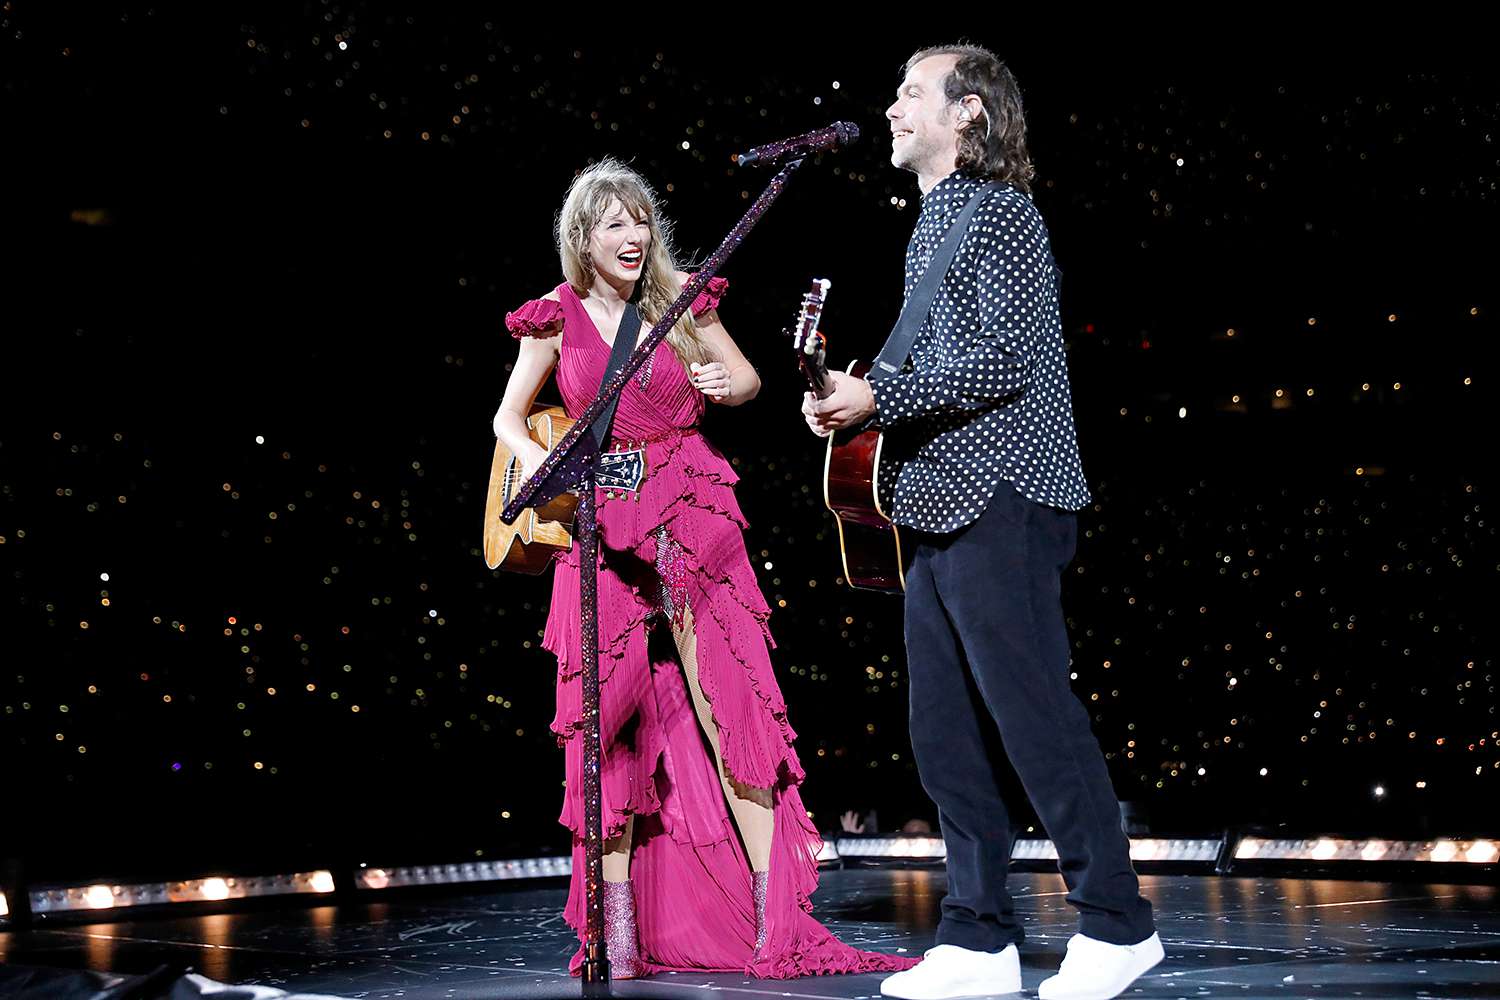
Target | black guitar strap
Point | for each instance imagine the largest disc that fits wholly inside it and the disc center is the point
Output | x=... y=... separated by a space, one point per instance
x=630 y=328
x=898 y=345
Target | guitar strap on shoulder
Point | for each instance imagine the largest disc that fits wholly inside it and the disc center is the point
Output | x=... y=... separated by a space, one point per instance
x=630 y=328
x=898 y=345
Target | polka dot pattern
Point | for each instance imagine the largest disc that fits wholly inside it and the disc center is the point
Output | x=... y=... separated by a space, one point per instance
x=984 y=399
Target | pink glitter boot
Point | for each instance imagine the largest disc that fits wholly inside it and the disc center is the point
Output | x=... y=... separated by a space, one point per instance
x=759 y=883
x=619 y=931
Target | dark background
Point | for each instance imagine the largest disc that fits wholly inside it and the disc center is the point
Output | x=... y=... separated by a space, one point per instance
x=254 y=290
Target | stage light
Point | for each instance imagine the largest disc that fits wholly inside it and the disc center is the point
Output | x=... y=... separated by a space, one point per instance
x=469 y=871
x=1175 y=849
x=892 y=847
x=1332 y=849
x=1030 y=848
x=211 y=889
x=1033 y=850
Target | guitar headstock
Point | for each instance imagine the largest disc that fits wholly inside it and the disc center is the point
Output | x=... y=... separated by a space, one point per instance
x=808 y=341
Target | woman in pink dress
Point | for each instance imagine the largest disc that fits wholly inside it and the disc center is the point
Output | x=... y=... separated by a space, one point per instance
x=710 y=858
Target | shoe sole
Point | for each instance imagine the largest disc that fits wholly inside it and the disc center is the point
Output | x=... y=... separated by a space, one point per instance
x=1157 y=960
x=979 y=990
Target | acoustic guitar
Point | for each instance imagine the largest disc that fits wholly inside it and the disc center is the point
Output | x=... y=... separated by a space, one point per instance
x=538 y=534
x=869 y=543
x=528 y=545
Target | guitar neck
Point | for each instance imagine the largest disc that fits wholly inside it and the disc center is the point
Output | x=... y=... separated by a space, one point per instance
x=810 y=345
x=815 y=371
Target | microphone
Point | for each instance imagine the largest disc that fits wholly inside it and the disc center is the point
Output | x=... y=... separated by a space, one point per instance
x=835 y=136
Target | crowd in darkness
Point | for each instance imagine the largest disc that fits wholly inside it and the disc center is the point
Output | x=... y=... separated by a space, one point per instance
x=257 y=342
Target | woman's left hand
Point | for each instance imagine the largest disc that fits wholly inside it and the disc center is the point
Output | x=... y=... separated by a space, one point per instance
x=711 y=379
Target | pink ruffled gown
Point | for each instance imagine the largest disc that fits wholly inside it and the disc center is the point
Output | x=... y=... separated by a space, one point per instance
x=679 y=544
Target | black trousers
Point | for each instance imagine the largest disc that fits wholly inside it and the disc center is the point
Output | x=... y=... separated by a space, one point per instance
x=987 y=649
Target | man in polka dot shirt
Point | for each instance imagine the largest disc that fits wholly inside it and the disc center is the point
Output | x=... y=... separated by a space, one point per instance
x=983 y=461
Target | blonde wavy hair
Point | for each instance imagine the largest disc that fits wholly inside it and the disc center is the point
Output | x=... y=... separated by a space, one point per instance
x=589 y=197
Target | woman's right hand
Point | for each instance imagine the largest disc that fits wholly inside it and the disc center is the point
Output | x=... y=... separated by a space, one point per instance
x=531 y=459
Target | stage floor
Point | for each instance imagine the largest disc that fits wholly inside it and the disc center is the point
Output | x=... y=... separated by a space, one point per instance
x=1233 y=937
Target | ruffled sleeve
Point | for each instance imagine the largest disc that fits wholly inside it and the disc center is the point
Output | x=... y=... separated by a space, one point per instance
x=710 y=296
x=537 y=318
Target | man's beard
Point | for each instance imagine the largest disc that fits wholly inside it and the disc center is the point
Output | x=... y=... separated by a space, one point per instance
x=910 y=155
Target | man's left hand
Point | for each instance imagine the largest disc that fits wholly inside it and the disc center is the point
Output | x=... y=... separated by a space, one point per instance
x=852 y=402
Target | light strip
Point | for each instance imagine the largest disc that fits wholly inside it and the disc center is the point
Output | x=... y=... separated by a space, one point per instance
x=891 y=847
x=1144 y=849
x=113 y=897
x=469 y=871
x=1033 y=850
x=827 y=852
x=1479 y=852
x=1155 y=849
x=4 y=906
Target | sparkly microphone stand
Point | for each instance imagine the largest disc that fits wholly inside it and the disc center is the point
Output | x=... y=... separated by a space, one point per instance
x=570 y=465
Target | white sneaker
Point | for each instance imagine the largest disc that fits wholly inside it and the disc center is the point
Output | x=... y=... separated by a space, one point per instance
x=949 y=971
x=1098 y=970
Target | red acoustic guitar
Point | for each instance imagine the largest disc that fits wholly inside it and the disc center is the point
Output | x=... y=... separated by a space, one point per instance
x=869 y=542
